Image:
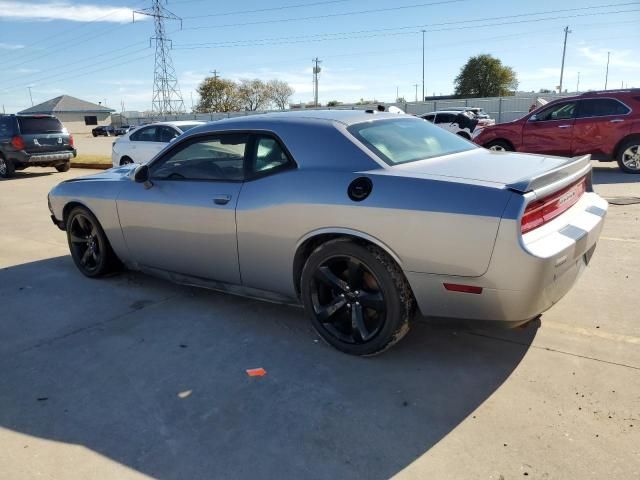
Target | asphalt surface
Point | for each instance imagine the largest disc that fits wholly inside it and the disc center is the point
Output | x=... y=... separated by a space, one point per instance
x=131 y=377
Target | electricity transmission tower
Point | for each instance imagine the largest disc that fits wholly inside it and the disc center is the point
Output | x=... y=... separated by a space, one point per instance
x=167 y=99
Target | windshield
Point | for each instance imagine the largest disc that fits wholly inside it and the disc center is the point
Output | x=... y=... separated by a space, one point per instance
x=188 y=126
x=406 y=140
x=31 y=125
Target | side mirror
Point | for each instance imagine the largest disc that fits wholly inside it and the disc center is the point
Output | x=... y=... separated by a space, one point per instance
x=141 y=175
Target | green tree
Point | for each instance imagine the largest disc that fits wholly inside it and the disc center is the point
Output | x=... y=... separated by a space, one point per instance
x=280 y=93
x=217 y=95
x=254 y=94
x=333 y=103
x=485 y=76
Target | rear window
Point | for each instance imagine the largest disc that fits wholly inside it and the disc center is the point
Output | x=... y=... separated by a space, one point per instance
x=32 y=125
x=407 y=140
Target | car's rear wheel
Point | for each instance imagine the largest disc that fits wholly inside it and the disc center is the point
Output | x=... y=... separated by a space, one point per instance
x=499 y=146
x=63 y=167
x=629 y=156
x=125 y=161
x=88 y=244
x=356 y=296
x=7 y=169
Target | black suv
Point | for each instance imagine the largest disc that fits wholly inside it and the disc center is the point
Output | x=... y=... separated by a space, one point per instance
x=34 y=141
x=103 y=131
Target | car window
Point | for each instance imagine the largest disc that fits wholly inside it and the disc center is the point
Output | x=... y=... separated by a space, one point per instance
x=269 y=155
x=560 y=111
x=600 y=107
x=166 y=134
x=405 y=140
x=6 y=127
x=147 y=134
x=445 y=118
x=33 y=125
x=217 y=157
x=429 y=118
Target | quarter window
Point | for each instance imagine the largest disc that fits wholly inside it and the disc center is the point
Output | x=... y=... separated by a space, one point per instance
x=601 y=107
x=269 y=155
x=219 y=157
x=166 y=134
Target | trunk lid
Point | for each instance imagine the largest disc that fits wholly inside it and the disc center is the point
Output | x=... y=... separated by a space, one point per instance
x=520 y=172
x=43 y=134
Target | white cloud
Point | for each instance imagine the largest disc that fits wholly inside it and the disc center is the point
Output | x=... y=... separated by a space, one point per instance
x=24 y=71
x=10 y=46
x=27 y=11
x=618 y=58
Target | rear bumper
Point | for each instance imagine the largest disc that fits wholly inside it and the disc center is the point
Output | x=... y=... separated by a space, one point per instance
x=527 y=275
x=45 y=158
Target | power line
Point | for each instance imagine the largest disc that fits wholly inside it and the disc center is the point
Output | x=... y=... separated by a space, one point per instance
x=328 y=15
x=394 y=31
x=259 y=10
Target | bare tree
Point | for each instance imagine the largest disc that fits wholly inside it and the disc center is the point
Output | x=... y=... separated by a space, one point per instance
x=280 y=93
x=254 y=94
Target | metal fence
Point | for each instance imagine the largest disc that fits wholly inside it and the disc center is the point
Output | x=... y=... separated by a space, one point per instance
x=502 y=109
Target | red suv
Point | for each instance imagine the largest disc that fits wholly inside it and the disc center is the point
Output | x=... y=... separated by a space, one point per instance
x=605 y=124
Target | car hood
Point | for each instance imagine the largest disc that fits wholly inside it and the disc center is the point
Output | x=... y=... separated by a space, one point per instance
x=117 y=173
x=500 y=168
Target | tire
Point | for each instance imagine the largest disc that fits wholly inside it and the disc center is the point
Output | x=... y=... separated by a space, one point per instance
x=356 y=296
x=88 y=244
x=125 y=161
x=94 y=134
x=63 y=167
x=629 y=156
x=499 y=146
x=7 y=169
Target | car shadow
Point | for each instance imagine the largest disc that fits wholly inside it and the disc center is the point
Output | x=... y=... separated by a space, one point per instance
x=21 y=174
x=608 y=175
x=152 y=375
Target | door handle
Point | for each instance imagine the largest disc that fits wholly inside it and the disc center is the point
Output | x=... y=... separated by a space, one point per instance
x=616 y=120
x=564 y=126
x=221 y=199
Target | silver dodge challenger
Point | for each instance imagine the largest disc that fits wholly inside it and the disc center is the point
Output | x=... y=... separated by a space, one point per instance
x=365 y=218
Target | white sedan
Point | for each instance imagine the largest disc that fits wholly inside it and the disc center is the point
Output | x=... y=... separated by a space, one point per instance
x=143 y=143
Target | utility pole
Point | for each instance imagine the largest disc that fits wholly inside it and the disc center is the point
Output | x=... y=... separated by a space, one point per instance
x=606 y=78
x=416 y=85
x=423 y=65
x=397 y=94
x=578 y=84
x=215 y=74
x=564 y=51
x=316 y=72
x=30 y=96
x=167 y=98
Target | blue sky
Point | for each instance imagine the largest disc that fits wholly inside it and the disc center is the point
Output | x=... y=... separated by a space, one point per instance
x=368 y=48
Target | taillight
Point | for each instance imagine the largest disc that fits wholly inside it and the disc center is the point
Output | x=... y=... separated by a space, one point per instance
x=543 y=211
x=71 y=140
x=17 y=142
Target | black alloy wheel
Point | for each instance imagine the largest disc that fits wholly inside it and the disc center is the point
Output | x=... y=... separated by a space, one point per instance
x=88 y=244
x=356 y=296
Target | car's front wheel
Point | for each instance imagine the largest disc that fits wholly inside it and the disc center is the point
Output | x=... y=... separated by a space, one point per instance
x=88 y=244
x=356 y=296
x=125 y=161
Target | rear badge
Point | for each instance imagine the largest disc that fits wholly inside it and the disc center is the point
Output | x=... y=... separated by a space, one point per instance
x=59 y=139
x=36 y=142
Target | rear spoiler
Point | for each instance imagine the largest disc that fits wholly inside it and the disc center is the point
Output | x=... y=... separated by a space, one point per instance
x=571 y=170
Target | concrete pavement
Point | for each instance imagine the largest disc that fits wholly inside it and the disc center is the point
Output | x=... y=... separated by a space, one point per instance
x=131 y=377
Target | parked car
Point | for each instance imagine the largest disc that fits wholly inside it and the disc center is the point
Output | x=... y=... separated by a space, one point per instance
x=34 y=141
x=123 y=130
x=460 y=123
x=605 y=124
x=103 y=131
x=360 y=216
x=478 y=112
x=143 y=143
